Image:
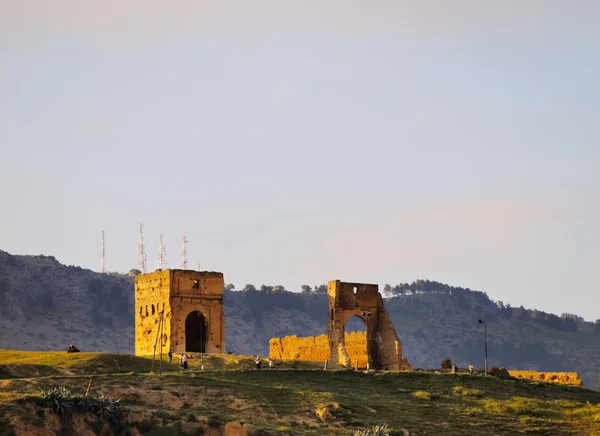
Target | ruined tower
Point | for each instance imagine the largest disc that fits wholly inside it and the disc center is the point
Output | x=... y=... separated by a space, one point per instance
x=191 y=303
x=346 y=300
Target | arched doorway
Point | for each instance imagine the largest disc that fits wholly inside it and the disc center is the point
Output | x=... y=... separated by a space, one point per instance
x=355 y=339
x=195 y=332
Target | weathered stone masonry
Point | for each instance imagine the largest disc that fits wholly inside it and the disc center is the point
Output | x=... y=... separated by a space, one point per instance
x=345 y=300
x=569 y=378
x=316 y=348
x=192 y=303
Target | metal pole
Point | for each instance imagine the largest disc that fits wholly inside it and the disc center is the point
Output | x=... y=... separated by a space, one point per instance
x=202 y=328
x=155 y=343
x=162 y=326
x=485 y=345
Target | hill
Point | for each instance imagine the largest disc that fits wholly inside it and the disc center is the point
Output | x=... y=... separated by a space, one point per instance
x=45 y=305
x=283 y=401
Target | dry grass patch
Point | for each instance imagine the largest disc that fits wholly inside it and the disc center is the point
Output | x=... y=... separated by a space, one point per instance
x=422 y=395
x=466 y=392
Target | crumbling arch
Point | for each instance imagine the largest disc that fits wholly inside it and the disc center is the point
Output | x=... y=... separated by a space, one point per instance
x=347 y=300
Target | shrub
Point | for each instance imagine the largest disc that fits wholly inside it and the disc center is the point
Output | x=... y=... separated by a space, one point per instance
x=378 y=430
x=516 y=406
x=422 y=395
x=60 y=400
x=108 y=409
x=465 y=392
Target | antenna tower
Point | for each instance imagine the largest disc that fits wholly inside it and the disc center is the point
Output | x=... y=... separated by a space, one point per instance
x=162 y=254
x=102 y=264
x=184 y=254
x=142 y=251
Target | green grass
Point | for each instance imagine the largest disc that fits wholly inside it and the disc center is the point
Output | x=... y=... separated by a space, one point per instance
x=286 y=399
x=466 y=392
x=25 y=364
x=224 y=362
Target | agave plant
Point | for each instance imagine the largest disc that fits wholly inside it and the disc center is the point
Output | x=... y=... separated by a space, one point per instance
x=86 y=403
x=59 y=400
x=108 y=409
x=378 y=430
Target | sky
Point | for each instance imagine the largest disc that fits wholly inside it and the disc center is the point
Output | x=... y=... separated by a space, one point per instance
x=299 y=142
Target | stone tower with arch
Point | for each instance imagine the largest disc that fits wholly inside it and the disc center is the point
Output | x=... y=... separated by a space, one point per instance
x=347 y=300
x=191 y=304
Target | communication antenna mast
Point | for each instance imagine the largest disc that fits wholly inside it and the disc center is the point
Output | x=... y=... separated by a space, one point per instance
x=184 y=254
x=162 y=254
x=102 y=264
x=142 y=251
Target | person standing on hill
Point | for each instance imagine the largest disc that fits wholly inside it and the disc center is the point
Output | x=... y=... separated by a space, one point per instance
x=170 y=354
x=271 y=365
x=257 y=362
x=184 y=361
x=470 y=368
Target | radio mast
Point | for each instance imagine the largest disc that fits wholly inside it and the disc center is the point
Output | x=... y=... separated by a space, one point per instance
x=162 y=254
x=184 y=253
x=141 y=251
x=102 y=264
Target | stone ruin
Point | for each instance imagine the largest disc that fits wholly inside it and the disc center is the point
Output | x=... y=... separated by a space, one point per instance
x=190 y=304
x=185 y=307
x=378 y=348
x=316 y=348
x=568 y=378
x=182 y=311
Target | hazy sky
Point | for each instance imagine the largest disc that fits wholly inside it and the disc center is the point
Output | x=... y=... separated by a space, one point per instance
x=373 y=141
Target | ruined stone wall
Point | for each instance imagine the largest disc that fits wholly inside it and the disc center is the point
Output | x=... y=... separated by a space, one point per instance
x=151 y=298
x=356 y=347
x=178 y=293
x=569 y=378
x=390 y=352
x=346 y=300
x=316 y=348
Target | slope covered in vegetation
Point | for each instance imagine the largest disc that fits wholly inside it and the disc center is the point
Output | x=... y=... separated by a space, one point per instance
x=289 y=401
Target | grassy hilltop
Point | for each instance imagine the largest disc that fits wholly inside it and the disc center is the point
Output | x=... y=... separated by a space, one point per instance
x=45 y=305
x=297 y=398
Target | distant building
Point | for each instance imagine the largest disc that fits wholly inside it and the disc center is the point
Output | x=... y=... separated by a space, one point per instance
x=191 y=306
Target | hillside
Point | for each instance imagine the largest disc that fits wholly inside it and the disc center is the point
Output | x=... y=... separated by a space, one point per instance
x=46 y=306
x=284 y=401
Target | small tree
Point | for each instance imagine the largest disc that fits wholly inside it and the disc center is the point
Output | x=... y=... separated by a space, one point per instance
x=266 y=289
x=321 y=289
x=134 y=272
x=305 y=288
x=387 y=290
x=249 y=287
x=230 y=286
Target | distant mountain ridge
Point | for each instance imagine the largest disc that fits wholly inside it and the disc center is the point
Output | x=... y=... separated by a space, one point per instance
x=45 y=305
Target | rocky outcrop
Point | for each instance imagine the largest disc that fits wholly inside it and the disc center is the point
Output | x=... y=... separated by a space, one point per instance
x=238 y=429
